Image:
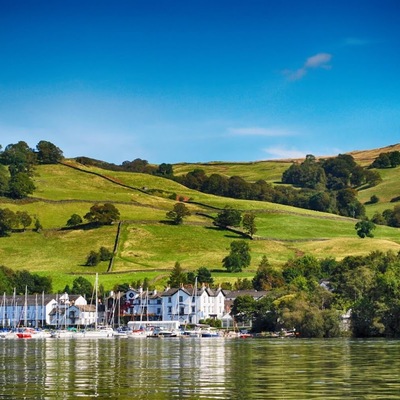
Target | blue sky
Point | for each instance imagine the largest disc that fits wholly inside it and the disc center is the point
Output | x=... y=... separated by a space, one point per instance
x=197 y=81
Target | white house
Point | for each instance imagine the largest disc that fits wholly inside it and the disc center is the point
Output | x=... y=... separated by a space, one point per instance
x=36 y=310
x=190 y=304
x=72 y=310
x=143 y=304
x=184 y=304
x=26 y=310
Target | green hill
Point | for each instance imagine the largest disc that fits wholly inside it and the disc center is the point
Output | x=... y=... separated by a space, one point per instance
x=149 y=246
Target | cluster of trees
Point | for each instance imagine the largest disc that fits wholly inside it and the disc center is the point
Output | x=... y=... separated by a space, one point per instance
x=389 y=159
x=327 y=186
x=17 y=164
x=20 y=281
x=388 y=217
x=334 y=173
x=99 y=214
x=94 y=257
x=310 y=296
x=84 y=287
x=11 y=221
x=179 y=276
x=230 y=217
x=137 y=165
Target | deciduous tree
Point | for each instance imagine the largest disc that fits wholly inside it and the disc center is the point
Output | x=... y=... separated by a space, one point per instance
x=249 y=223
x=239 y=256
x=104 y=214
x=179 y=212
x=228 y=217
x=364 y=228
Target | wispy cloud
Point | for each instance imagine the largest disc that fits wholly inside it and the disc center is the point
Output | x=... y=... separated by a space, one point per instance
x=278 y=152
x=318 y=61
x=259 y=131
x=353 y=41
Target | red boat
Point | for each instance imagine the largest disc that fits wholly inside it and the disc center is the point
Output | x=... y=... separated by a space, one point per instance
x=25 y=334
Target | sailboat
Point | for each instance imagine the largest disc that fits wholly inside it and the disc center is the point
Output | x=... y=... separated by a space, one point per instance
x=98 y=331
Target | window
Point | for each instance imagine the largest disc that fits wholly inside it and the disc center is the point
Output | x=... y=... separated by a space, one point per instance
x=169 y=300
x=182 y=311
x=193 y=309
x=180 y=299
x=169 y=310
x=159 y=301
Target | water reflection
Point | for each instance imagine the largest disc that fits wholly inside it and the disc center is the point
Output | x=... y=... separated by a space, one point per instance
x=194 y=368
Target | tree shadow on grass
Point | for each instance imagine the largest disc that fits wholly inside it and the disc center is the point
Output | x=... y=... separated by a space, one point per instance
x=84 y=227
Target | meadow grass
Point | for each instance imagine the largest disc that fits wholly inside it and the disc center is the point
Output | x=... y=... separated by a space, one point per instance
x=386 y=191
x=269 y=171
x=149 y=246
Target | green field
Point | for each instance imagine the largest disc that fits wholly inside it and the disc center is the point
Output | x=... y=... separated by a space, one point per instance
x=149 y=246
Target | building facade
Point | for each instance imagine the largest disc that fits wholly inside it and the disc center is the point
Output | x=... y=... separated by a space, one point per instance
x=184 y=304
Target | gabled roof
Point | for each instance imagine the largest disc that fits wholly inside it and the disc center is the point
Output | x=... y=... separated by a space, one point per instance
x=192 y=291
x=85 y=307
x=31 y=299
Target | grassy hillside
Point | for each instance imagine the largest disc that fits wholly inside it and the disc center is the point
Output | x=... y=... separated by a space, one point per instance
x=149 y=246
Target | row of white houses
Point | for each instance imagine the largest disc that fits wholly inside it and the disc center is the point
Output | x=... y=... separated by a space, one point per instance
x=187 y=305
x=184 y=304
x=46 y=310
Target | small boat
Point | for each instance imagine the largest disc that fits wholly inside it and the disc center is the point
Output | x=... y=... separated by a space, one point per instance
x=30 y=333
x=7 y=335
x=100 y=332
x=63 y=333
x=160 y=332
x=210 y=333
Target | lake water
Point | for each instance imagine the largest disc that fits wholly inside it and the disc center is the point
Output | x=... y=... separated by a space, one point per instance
x=206 y=368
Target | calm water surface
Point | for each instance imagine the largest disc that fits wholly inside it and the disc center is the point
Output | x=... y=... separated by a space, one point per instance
x=204 y=368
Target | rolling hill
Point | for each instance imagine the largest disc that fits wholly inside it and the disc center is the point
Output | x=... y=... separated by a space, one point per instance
x=148 y=246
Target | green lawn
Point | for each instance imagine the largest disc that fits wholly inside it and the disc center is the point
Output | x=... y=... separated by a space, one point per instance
x=149 y=246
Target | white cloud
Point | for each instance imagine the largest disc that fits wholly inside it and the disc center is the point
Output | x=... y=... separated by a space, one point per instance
x=259 y=131
x=320 y=60
x=282 y=153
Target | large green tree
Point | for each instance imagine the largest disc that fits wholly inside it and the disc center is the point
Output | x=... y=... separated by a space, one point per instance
x=249 y=223
x=364 y=228
x=228 y=217
x=179 y=212
x=7 y=221
x=20 y=185
x=83 y=287
x=48 y=153
x=239 y=256
x=104 y=214
x=267 y=277
x=19 y=157
x=177 y=276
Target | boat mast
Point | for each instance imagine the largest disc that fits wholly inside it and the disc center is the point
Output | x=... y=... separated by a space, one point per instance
x=14 y=309
x=36 y=312
x=26 y=307
x=97 y=301
x=4 y=309
x=43 y=309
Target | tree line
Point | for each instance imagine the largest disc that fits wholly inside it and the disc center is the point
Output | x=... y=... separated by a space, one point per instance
x=21 y=281
x=326 y=185
x=310 y=296
x=390 y=159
